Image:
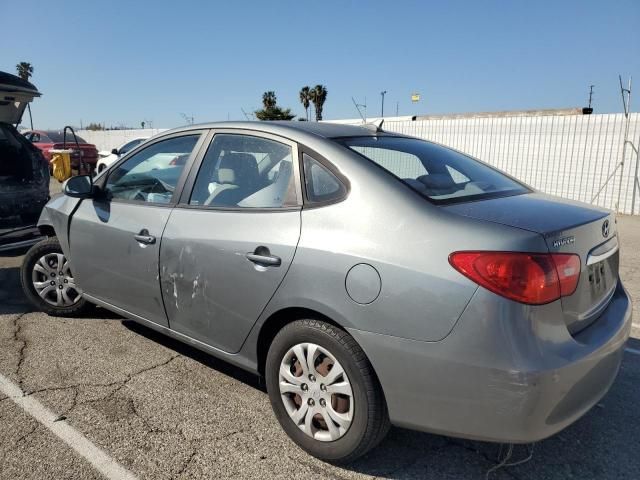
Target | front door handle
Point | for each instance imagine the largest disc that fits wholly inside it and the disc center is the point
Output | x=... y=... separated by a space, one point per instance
x=144 y=237
x=261 y=256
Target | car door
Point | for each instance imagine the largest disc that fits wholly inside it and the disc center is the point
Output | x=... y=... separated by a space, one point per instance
x=115 y=238
x=230 y=241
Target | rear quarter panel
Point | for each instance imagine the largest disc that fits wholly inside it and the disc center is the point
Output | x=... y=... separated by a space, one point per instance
x=406 y=239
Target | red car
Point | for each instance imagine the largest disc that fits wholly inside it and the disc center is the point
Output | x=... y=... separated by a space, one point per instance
x=46 y=140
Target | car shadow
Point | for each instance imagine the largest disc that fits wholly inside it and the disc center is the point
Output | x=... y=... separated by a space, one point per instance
x=12 y=300
x=210 y=361
x=596 y=446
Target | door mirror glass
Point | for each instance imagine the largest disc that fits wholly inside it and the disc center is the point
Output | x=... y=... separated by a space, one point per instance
x=80 y=186
x=114 y=151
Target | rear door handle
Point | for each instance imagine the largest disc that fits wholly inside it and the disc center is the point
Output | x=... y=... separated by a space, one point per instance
x=261 y=256
x=144 y=237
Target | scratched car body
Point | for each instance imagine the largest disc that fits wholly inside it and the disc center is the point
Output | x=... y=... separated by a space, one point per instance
x=372 y=278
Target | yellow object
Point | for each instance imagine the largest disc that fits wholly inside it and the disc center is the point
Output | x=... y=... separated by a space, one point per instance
x=415 y=97
x=61 y=164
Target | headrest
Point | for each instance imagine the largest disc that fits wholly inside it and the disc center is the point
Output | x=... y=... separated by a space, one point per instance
x=236 y=166
x=437 y=181
x=226 y=175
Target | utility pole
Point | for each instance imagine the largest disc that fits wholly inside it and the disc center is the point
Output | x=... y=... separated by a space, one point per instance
x=397 y=108
x=382 y=94
x=590 y=94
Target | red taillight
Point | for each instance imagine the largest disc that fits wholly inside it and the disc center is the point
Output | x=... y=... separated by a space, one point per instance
x=568 y=268
x=531 y=278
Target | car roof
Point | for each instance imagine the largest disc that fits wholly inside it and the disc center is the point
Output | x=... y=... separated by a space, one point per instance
x=320 y=129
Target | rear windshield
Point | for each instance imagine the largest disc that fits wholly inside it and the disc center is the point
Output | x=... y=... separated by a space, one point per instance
x=436 y=172
x=58 y=137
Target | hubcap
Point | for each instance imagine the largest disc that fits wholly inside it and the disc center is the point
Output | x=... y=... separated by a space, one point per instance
x=316 y=392
x=53 y=281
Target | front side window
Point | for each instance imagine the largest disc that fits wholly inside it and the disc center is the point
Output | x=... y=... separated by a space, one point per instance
x=245 y=171
x=436 y=172
x=151 y=175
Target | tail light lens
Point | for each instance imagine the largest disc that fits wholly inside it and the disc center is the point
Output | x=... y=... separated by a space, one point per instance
x=531 y=278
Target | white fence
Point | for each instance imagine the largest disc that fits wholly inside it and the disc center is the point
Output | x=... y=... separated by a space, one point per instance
x=574 y=156
x=110 y=139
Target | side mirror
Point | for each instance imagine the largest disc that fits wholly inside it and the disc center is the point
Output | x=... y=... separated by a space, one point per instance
x=80 y=186
x=114 y=151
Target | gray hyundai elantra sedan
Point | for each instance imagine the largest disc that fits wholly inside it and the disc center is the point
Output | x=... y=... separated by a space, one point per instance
x=371 y=278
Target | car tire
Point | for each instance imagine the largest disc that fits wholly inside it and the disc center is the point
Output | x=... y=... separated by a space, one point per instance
x=366 y=406
x=40 y=272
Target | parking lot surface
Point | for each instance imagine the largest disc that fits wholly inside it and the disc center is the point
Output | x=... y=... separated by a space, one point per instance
x=160 y=409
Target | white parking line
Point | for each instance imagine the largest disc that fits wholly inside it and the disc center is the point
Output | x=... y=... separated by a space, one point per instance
x=632 y=350
x=102 y=462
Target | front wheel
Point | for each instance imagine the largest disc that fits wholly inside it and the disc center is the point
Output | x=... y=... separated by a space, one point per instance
x=324 y=392
x=48 y=282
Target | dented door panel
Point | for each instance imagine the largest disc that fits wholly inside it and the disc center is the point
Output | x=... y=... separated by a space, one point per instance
x=211 y=290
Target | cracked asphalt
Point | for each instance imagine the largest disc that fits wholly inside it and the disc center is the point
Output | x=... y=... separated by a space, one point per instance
x=164 y=410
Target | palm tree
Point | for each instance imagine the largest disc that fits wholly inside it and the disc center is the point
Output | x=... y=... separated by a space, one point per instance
x=305 y=99
x=269 y=100
x=25 y=70
x=318 y=97
x=270 y=110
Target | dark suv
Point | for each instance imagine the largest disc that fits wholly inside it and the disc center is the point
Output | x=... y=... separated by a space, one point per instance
x=24 y=172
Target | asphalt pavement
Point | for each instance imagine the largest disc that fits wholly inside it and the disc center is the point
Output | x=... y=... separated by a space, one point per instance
x=124 y=397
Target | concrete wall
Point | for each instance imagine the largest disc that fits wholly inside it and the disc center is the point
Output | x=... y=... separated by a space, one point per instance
x=110 y=139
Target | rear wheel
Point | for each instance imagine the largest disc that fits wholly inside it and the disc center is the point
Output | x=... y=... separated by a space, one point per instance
x=324 y=392
x=48 y=282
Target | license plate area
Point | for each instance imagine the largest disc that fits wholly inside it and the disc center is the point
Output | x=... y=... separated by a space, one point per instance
x=597 y=277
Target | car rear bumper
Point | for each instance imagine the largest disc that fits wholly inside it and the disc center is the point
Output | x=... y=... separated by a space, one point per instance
x=507 y=373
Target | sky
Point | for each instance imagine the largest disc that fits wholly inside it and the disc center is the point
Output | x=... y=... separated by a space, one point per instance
x=124 y=62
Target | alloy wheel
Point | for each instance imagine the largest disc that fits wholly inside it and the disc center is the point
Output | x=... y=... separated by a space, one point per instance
x=53 y=280
x=316 y=392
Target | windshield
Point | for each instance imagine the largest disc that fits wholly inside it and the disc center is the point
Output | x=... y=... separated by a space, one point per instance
x=129 y=146
x=58 y=137
x=436 y=172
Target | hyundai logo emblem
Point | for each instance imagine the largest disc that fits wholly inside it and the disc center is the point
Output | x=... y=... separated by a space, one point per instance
x=605 y=229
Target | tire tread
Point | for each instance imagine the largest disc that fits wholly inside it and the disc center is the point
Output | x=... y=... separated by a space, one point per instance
x=378 y=423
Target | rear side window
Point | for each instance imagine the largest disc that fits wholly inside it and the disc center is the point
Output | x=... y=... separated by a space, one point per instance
x=436 y=172
x=321 y=185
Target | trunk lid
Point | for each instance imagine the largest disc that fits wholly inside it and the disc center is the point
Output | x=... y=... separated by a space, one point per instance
x=567 y=227
x=15 y=94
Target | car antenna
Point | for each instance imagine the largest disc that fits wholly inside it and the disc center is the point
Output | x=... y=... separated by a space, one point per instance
x=376 y=127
